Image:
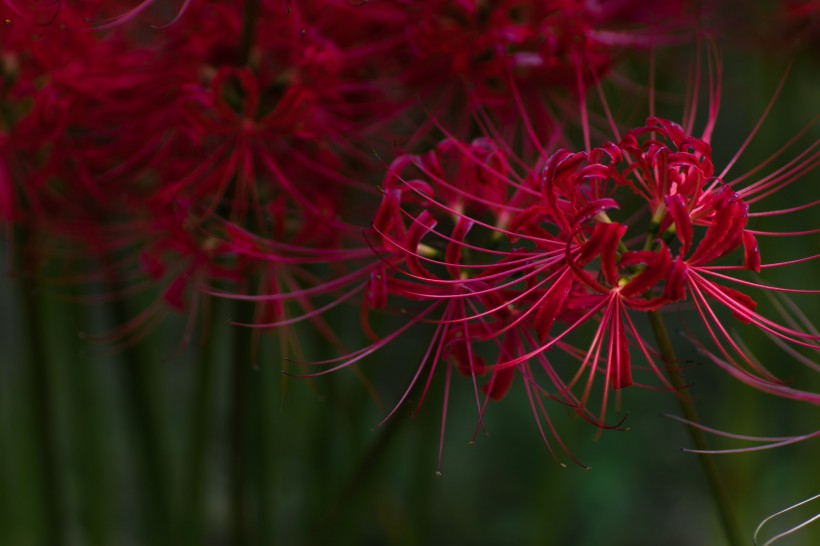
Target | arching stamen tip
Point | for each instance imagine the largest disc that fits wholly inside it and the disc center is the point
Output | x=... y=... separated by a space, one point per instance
x=438 y=473
x=471 y=443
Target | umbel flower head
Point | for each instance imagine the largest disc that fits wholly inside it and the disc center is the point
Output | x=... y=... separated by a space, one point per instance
x=230 y=169
x=515 y=260
x=681 y=229
x=693 y=218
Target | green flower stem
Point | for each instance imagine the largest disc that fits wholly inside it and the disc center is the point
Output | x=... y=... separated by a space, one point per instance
x=707 y=462
x=264 y=451
x=202 y=417
x=88 y=420
x=240 y=372
x=143 y=414
x=422 y=484
x=238 y=457
x=359 y=482
x=40 y=389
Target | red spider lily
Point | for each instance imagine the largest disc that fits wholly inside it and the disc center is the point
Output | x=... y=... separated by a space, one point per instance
x=296 y=98
x=440 y=235
x=201 y=152
x=505 y=261
x=197 y=103
x=694 y=218
x=463 y=61
x=29 y=117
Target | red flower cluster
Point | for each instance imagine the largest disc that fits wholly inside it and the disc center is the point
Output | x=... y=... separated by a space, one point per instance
x=518 y=262
x=230 y=160
x=223 y=155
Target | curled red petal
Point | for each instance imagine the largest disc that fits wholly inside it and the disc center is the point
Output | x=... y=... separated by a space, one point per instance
x=591 y=209
x=467 y=362
x=528 y=219
x=751 y=252
x=552 y=304
x=739 y=297
x=500 y=383
x=603 y=235
x=674 y=131
x=388 y=211
x=376 y=291
x=683 y=223
x=609 y=257
x=454 y=247
x=657 y=269
x=723 y=233
x=420 y=227
x=603 y=242
x=675 y=289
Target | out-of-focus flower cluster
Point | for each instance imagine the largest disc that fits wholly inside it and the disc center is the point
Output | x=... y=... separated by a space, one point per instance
x=235 y=149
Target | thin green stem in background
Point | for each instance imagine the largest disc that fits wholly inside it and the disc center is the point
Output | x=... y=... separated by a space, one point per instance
x=195 y=485
x=422 y=485
x=88 y=419
x=242 y=353
x=358 y=484
x=264 y=452
x=6 y=516
x=143 y=412
x=40 y=392
x=240 y=365
x=707 y=462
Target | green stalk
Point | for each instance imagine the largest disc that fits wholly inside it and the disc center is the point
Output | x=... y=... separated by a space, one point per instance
x=196 y=484
x=422 y=486
x=359 y=482
x=263 y=452
x=96 y=510
x=710 y=471
x=238 y=456
x=40 y=392
x=6 y=516
x=143 y=413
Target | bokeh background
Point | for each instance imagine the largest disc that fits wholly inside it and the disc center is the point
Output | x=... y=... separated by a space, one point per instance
x=312 y=465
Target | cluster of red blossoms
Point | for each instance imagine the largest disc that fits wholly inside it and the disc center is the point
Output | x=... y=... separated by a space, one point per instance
x=226 y=149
